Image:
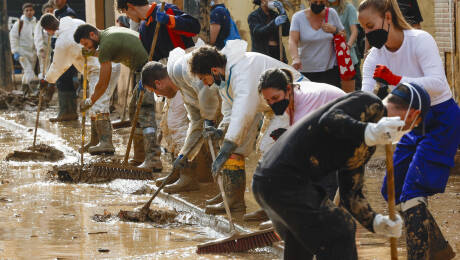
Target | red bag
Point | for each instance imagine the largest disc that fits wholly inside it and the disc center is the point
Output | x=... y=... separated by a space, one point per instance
x=342 y=52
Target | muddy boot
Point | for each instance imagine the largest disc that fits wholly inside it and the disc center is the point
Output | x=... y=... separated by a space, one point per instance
x=214 y=200
x=265 y=225
x=423 y=237
x=67 y=107
x=48 y=94
x=138 y=147
x=171 y=180
x=187 y=181
x=104 y=131
x=258 y=215
x=234 y=180
x=94 y=137
x=152 y=151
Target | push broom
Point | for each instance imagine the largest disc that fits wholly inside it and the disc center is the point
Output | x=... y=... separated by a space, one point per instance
x=83 y=114
x=124 y=168
x=236 y=242
x=391 y=196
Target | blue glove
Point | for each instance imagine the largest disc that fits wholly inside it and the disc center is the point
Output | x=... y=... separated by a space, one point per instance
x=225 y=152
x=16 y=56
x=210 y=131
x=281 y=19
x=140 y=86
x=279 y=6
x=162 y=17
x=180 y=162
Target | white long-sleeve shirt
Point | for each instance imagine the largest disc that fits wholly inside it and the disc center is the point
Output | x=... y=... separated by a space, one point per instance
x=417 y=60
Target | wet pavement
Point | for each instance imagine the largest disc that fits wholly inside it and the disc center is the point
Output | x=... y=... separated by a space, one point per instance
x=40 y=219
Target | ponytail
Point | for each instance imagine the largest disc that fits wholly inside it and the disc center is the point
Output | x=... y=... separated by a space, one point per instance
x=383 y=6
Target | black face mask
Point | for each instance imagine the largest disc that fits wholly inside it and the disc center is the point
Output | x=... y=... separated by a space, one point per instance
x=217 y=79
x=378 y=38
x=317 y=8
x=280 y=106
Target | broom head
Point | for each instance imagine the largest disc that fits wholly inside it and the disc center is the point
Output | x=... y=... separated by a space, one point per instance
x=121 y=171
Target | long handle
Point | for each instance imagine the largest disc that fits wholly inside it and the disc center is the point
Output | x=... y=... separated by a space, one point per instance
x=221 y=187
x=280 y=35
x=155 y=36
x=40 y=95
x=125 y=104
x=391 y=196
x=133 y=126
x=83 y=114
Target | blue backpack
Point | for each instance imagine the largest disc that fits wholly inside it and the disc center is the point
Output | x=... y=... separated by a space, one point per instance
x=233 y=32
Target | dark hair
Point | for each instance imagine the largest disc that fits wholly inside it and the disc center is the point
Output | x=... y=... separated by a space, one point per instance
x=275 y=78
x=152 y=71
x=49 y=22
x=205 y=58
x=123 y=4
x=47 y=5
x=83 y=31
x=383 y=6
x=397 y=101
x=27 y=5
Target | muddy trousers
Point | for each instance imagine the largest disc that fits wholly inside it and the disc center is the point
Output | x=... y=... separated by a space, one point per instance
x=423 y=237
x=309 y=223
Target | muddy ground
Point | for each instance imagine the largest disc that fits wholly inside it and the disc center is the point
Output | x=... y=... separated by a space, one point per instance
x=48 y=218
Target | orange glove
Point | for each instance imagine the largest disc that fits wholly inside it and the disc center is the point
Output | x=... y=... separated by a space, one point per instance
x=383 y=74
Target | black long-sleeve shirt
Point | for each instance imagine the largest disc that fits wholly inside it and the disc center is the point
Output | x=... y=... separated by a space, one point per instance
x=330 y=139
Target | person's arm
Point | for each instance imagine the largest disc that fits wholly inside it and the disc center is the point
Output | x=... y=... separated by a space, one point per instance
x=216 y=19
x=294 y=38
x=351 y=184
x=14 y=37
x=61 y=60
x=214 y=32
x=353 y=22
x=103 y=83
x=368 y=83
x=38 y=40
x=353 y=35
x=285 y=27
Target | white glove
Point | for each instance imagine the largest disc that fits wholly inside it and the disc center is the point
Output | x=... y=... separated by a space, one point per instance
x=383 y=225
x=383 y=132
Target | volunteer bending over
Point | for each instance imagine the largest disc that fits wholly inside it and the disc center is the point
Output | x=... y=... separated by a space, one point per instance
x=424 y=156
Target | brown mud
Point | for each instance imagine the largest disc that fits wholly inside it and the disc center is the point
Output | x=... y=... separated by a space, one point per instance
x=13 y=101
x=40 y=153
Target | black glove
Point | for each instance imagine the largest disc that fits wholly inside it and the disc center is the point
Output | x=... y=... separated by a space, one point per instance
x=43 y=84
x=210 y=131
x=180 y=162
x=382 y=91
x=275 y=134
x=225 y=152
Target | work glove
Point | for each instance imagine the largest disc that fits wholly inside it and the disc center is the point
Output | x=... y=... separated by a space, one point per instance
x=278 y=5
x=382 y=91
x=225 y=152
x=275 y=134
x=16 y=56
x=210 y=131
x=281 y=19
x=383 y=132
x=86 y=53
x=43 y=84
x=180 y=162
x=162 y=17
x=85 y=104
x=383 y=74
x=383 y=225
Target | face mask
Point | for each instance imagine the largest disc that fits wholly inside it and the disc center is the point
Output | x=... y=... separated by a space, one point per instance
x=317 y=8
x=217 y=79
x=280 y=106
x=401 y=133
x=271 y=5
x=377 y=38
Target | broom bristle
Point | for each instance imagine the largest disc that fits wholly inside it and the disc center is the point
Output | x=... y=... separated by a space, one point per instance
x=121 y=171
x=240 y=243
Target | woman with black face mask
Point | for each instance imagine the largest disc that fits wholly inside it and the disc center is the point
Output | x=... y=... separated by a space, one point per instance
x=424 y=156
x=311 y=43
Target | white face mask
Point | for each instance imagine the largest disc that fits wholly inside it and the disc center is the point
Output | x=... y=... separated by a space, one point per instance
x=271 y=5
x=401 y=132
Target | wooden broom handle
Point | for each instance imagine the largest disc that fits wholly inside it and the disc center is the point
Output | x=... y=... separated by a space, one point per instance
x=83 y=114
x=280 y=35
x=155 y=36
x=391 y=196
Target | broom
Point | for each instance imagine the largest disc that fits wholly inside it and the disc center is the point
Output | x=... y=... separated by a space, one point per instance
x=236 y=242
x=124 y=168
x=83 y=114
x=391 y=196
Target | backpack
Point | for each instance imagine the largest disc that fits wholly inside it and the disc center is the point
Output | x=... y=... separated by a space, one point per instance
x=233 y=33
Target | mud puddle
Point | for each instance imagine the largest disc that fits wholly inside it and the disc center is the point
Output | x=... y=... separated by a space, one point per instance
x=40 y=152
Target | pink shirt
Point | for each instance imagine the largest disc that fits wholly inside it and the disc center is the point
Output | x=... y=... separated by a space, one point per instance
x=312 y=95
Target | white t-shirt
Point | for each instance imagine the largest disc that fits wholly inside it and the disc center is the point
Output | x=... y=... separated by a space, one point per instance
x=316 y=47
x=417 y=60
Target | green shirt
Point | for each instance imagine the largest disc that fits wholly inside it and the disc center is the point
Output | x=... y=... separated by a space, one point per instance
x=349 y=17
x=122 y=45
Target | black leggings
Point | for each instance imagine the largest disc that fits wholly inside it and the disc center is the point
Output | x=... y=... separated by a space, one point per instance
x=309 y=223
x=331 y=77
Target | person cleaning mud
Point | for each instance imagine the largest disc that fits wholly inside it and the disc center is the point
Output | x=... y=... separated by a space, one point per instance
x=67 y=53
x=22 y=46
x=121 y=45
x=235 y=72
x=423 y=157
x=342 y=136
x=297 y=100
x=187 y=100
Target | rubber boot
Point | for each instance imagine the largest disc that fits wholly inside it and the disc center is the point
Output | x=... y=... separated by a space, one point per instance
x=104 y=131
x=423 y=237
x=187 y=180
x=94 y=139
x=152 y=159
x=234 y=180
x=67 y=107
x=258 y=215
x=171 y=180
x=138 y=147
x=214 y=200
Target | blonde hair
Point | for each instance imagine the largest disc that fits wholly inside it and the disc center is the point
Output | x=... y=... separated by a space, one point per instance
x=342 y=6
x=383 y=6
